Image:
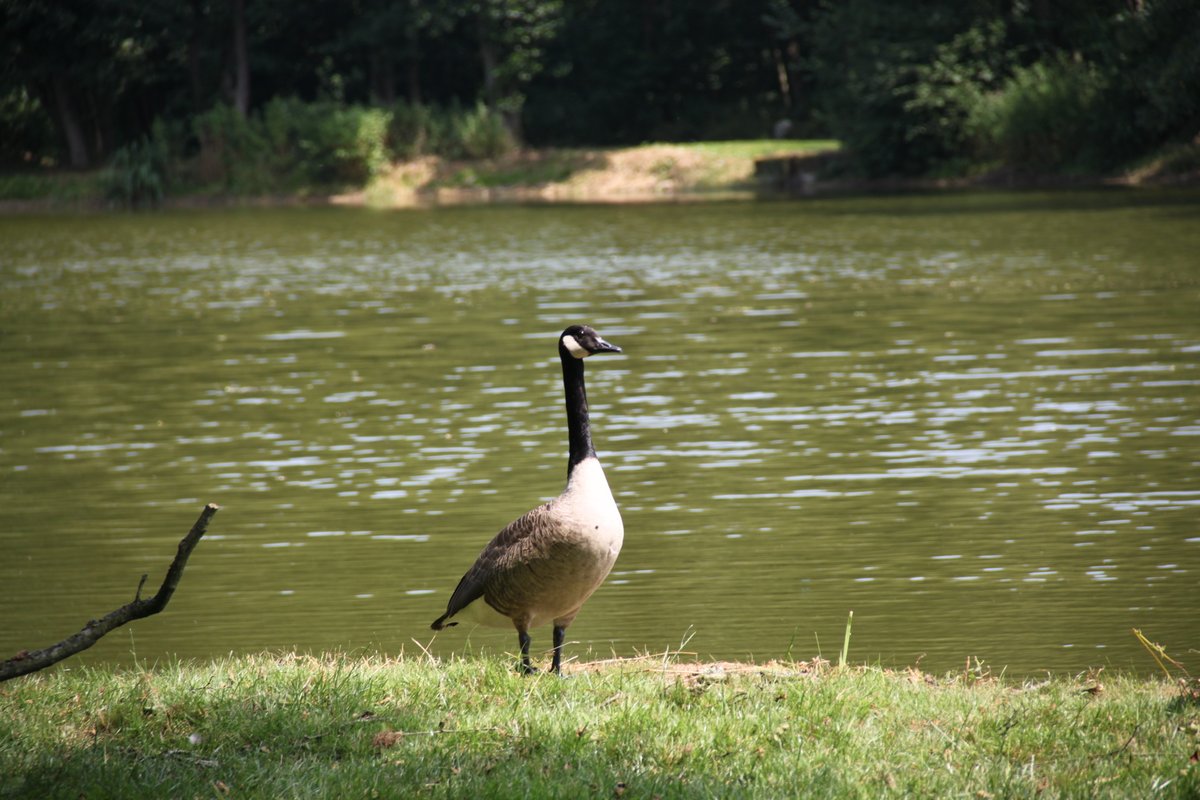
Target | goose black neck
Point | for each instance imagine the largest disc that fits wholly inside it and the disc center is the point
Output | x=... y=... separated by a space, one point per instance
x=578 y=429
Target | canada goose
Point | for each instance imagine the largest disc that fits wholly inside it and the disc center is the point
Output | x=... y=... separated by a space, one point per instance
x=545 y=564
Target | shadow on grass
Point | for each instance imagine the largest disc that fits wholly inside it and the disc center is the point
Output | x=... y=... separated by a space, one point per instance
x=524 y=169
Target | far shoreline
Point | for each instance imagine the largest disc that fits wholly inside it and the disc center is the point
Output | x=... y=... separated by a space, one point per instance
x=646 y=174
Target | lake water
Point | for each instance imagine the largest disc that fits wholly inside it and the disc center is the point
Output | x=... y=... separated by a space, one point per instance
x=972 y=419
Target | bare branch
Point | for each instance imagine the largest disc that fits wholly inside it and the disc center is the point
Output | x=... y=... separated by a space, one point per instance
x=26 y=662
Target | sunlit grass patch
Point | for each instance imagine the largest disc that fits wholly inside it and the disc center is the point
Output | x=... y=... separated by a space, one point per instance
x=299 y=726
x=761 y=148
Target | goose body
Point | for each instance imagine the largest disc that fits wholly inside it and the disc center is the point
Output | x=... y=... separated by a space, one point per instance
x=545 y=564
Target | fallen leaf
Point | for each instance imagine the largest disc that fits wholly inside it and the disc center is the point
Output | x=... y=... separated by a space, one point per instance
x=388 y=738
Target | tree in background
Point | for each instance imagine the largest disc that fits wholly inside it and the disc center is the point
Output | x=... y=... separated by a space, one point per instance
x=63 y=81
x=241 y=59
x=628 y=71
x=394 y=38
x=939 y=86
x=868 y=57
x=1080 y=85
x=512 y=35
x=102 y=71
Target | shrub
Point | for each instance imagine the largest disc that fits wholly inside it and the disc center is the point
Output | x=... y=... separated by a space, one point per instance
x=1046 y=116
x=413 y=131
x=233 y=151
x=867 y=56
x=137 y=174
x=341 y=144
x=943 y=102
x=26 y=131
x=450 y=131
x=482 y=133
x=291 y=144
x=370 y=143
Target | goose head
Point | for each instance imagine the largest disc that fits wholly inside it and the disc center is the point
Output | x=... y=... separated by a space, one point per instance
x=581 y=341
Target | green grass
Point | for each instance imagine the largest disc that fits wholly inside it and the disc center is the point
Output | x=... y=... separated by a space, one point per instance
x=58 y=188
x=560 y=164
x=758 y=148
x=340 y=726
x=512 y=170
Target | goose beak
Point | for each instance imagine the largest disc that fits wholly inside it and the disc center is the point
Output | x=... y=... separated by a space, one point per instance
x=601 y=346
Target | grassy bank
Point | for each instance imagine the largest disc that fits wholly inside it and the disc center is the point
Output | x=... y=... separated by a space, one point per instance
x=649 y=172
x=626 y=174
x=292 y=726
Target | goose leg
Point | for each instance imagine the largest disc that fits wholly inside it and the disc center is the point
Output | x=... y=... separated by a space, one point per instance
x=525 y=639
x=560 y=633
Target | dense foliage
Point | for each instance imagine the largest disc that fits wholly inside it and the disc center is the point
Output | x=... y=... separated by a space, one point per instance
x=330 y=88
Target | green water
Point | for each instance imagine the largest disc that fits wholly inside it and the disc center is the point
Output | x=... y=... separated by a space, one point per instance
x=971 y=419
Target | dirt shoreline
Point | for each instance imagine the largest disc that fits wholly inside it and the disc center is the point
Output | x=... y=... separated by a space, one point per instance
x=638 y=175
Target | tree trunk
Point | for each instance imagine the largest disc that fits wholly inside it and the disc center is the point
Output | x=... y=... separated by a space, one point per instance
x=512 y=121
x=796 y=83
x=383 y=79
x=491 y=86
x=193 y=57
x=68 y=120
x=241 y=60
x=785 y=81
x=412 y=65
x=99 y=126
x=413 y=79
x=487 y=57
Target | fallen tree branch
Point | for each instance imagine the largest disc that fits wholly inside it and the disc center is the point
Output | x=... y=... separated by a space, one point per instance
x=26 y=662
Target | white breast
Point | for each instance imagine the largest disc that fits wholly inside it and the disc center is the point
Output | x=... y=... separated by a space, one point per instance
x=588 y=506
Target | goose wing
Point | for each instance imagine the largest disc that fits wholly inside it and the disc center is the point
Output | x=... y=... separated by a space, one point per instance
x=511 y=546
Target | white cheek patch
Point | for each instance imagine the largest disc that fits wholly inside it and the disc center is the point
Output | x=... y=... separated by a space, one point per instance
x=574 y=347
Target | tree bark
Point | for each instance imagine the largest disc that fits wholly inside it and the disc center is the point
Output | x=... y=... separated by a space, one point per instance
x=241 y=60
x=383 y=79
x=785 y=80
x=487 y=58
x=68 y=120
x=412 y=64
x=193 y=56
x=412 y=74
x=26 y=662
